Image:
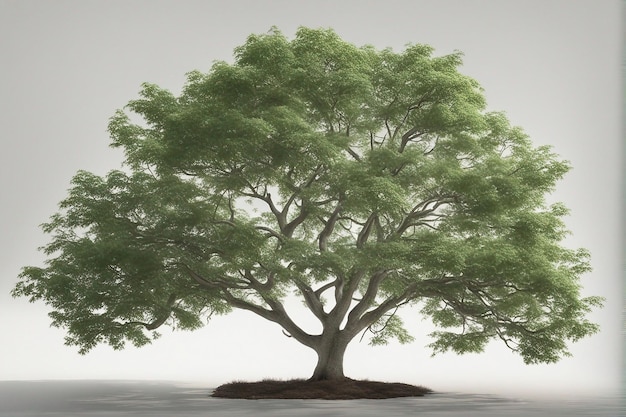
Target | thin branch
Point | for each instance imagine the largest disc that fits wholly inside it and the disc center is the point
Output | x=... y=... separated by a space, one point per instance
x=389 y=134
x=354 y=154
x=368 y=298
x=231 y=208
x=329 y=227
x=382 y=329
x=318 y=293
x=292 y=225
x=421 y=210
x=258 y=286
x=271 y=232
x=267 y=198
x=245 y=305
x=215 y=283
x=276 y=314
x=434 y=146
x=366 y=230
x=366 y=319
x=411 y=134
x=312 y=300
x=159 y=321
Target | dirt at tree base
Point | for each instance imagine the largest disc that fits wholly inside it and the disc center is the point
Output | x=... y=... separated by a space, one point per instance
x=345 y=389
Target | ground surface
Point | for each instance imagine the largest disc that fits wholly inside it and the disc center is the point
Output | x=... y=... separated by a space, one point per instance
x=347 y=389
x=108 y=398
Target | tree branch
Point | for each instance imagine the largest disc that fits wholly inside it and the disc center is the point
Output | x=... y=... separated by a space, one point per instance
x=271 y=232
x=276 y=313
x=368 y=298
x=329 y=227
x=320 y=290
x=292 y=225
x=267 y=198
x=257 y=285
x=353 y=154
x=366 y=230
x=159 y=321
x=411 y=134
x=382 y=329
x=357 y=324
x=344 y=296
x=215 y=284
x=422 y=210
x=312 y=300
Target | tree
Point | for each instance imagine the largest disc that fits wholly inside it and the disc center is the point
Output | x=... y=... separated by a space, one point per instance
x=360 y=180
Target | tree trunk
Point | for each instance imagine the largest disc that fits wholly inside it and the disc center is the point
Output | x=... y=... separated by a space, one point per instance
x=330 y=353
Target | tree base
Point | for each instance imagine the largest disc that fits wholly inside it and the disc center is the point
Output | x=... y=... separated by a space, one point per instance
x=346 y=389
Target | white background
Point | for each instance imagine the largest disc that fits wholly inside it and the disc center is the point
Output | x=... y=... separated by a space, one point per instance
x=66 y=66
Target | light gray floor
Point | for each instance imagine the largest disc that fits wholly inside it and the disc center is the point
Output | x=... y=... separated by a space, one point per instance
x=155 y=399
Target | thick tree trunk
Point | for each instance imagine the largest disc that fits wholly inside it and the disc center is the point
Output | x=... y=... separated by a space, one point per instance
x=330 y=355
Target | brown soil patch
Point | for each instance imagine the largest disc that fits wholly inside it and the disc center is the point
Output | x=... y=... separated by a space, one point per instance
x=346 y=389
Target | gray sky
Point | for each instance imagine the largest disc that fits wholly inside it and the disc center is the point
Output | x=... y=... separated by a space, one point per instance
x=553 y=66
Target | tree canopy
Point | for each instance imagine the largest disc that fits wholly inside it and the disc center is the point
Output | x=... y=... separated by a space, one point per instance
x=360 y=180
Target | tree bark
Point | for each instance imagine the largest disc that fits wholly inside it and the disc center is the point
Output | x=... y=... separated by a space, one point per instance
x=330 y=353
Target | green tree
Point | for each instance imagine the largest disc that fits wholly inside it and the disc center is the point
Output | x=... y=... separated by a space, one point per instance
x=361 y=180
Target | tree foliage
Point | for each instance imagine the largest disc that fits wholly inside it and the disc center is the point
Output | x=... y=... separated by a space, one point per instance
x=361 y=180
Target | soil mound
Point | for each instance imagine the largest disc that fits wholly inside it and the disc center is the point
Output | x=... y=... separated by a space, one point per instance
x=346 y=389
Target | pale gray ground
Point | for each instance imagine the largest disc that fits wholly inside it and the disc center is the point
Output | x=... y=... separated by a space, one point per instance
x=154 y=399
